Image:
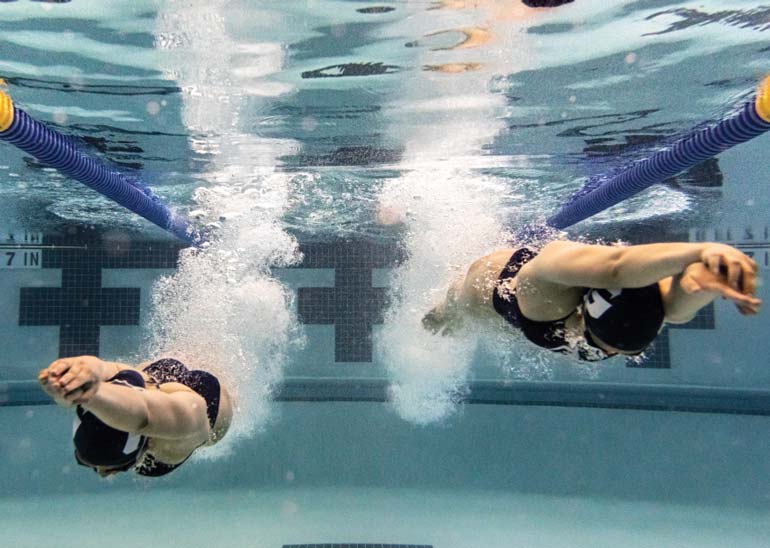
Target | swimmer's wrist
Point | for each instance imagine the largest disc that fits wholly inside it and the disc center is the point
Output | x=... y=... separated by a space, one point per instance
x=703 y=252
x=106 y=370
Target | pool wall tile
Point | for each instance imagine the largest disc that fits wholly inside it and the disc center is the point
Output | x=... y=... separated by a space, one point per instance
x=95 y=299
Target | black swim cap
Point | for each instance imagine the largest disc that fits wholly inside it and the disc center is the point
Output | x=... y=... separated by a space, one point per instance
x=626 y=319
x=97 y=444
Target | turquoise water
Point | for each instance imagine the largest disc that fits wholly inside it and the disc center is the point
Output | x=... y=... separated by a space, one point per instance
x=433 y=128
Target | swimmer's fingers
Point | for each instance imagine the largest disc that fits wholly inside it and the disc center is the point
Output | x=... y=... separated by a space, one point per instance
x=47 y=386
x=713 y=262
x=747 y=310
x=748 y=283
x=50 y=387
x=745 y=303
x=48 y=381
x=73 y=378
x=698 y=278
x=734 y=274
x=742 y=274
x=78 y=375
x=59 y=367
x=737 y=268
x=82 y=394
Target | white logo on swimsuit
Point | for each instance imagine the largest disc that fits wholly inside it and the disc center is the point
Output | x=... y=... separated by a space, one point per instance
x=596 y=304
x=121 y=382
x=132 y=443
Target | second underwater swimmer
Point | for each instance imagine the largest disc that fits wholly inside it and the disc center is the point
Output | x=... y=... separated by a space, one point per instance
x=597 y=301
x=149 y=419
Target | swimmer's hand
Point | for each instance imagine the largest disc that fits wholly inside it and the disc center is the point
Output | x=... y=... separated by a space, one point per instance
x=736 y=269
x=71 y=381
x=699 y=278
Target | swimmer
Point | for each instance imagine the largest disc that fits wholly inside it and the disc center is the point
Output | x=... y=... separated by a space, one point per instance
x=148 y=419
x=598 y=301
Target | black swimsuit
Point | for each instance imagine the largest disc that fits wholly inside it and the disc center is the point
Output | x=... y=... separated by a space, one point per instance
x=548 y=334
x=203 y=383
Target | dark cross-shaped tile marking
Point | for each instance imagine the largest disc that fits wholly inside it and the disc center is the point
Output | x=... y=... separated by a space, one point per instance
x=81 y=305
x=353 y=306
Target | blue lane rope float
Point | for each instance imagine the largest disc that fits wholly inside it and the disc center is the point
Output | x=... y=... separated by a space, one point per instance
x=751 y=120
x=56 y=150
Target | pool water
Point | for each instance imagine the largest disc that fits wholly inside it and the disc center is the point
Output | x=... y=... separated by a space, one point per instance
x=349 y=159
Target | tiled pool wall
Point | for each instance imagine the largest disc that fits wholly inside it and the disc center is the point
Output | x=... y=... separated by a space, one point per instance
x=92 y=293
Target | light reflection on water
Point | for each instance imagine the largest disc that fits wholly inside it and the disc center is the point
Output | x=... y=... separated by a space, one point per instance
x=532 y=91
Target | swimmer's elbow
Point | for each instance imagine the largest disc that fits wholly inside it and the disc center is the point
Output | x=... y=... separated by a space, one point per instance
x=673 y=319
x=176 y=416
x=144 y=421
x=617 y=271
x=614 y=273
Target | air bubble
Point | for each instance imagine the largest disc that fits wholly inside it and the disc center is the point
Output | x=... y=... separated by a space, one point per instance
x=309 y=123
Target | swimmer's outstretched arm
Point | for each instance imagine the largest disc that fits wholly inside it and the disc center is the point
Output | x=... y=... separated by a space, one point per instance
x=155 y=413
x=172 y=412
x=574 y=264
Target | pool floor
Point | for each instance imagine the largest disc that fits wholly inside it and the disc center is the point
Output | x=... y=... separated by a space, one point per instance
x=272 y=519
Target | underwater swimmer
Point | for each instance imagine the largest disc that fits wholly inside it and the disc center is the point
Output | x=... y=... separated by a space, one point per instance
x=148 y=419
x=597 y=301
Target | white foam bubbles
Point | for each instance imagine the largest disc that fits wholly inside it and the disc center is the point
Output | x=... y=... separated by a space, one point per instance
x=427 y=371
x=451 y=221
x=655 y=201
x=450 y=213
x=223 y=312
